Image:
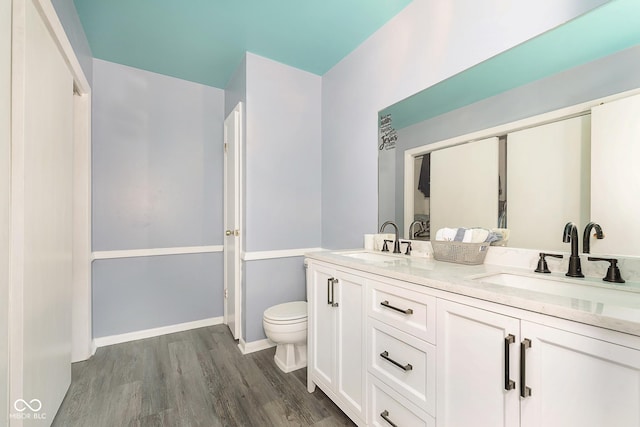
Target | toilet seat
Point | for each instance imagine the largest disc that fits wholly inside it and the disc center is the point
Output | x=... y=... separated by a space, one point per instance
x=289 y=312
x=286 y=326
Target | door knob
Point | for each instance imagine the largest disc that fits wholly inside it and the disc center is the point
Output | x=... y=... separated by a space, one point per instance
x=232 y=233
x=228 y=233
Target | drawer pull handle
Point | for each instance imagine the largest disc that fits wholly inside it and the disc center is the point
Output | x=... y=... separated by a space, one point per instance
x=524 y=390
x=333 y=295
x=385 y=416
x=385 y=356
x=386 y=304
x=331 y=292
x=509 y=384
x=329 y=288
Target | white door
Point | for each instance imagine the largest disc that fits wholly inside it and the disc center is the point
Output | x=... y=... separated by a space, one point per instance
x=322 y=325
x=348 y=295
x=42 y=220
x=232 y=138
x=472 y=382
x=5 y=197
x=464 y=185
x=555 y=189
x=577 y=381
x=615 y=186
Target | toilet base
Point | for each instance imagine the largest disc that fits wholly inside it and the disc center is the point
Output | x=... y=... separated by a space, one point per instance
x=291 y=357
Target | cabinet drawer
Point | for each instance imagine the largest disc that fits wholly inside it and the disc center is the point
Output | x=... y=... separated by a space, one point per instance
x=409 y=311
x=404 y=362
x=387 y=408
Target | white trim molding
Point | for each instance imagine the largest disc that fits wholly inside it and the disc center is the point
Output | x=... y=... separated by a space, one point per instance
x=287 y=253
x=253 y=346
x=155 y=332
x=134 y=253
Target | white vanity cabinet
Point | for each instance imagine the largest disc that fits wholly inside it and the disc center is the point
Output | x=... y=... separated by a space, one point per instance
x=579 y=381
x=392 y=352
x=336 y=338
x=472 y=356
x=568 y=379
x=401 y=355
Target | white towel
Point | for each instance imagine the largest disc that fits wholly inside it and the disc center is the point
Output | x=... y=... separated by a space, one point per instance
x=446 y=234
x=470 y=235
x=476 y=235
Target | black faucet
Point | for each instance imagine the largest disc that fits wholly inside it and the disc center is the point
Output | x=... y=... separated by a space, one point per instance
x=571 y=235
x=396 y=243
x=586 y=237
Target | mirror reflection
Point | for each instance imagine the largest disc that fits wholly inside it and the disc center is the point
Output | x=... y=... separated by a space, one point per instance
x=520 y=159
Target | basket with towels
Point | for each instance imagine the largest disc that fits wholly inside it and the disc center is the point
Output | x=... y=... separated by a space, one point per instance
x=463 y=245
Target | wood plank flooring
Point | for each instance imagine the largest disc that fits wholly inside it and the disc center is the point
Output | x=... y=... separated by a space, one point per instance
x=192 y=378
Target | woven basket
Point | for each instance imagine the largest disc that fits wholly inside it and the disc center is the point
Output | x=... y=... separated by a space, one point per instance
x=460 y=252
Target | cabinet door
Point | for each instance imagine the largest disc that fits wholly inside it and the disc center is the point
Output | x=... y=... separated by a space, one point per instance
x=349 y=291
x=579 y=381
x=471 y=360
x=322 y=315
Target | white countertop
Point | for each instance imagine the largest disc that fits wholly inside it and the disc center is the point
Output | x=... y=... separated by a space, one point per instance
x=602 y=304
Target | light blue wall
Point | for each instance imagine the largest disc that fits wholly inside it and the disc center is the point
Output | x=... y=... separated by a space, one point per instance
x=133 y=294
x=157 y=160
x=236 y=89
x=427 y=42
x=157 y=183
x=270 y=282
x=283 y=157
x=66 y=11
x=282 y=182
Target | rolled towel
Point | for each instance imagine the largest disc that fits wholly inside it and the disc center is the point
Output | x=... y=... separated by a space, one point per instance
x=446 y=234
x=476 y=235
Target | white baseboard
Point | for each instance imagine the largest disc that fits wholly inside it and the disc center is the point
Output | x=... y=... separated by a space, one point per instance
x=253 y=346
x=150 y=333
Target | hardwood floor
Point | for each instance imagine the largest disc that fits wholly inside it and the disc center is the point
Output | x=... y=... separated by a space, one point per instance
x=192 y=378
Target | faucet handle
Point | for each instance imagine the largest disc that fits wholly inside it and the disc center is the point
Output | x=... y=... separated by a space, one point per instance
x=542 y=263
x=613 y=272
x=408 y=243
x=385 y=248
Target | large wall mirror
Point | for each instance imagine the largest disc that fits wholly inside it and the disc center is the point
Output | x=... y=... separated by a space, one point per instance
x=520 y=157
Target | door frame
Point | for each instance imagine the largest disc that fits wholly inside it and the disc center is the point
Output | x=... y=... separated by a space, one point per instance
x=237 y=189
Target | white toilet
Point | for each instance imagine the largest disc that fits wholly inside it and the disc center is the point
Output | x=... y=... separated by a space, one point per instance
x=286 y=326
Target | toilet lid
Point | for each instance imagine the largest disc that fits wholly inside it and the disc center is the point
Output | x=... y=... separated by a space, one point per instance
x=287 y=311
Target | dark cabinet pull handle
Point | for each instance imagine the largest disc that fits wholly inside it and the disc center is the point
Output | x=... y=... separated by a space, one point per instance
x=509 y=384
x=524 y=390
x=333 y=301
x=385 y=356
x=329 y=290
x=385 y=416
x=386 y=304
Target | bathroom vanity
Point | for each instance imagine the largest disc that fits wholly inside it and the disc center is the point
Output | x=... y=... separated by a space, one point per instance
x=409 y=341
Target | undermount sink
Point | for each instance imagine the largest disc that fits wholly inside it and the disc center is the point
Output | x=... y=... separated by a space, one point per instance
x=555 y=286
x=371 y=256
